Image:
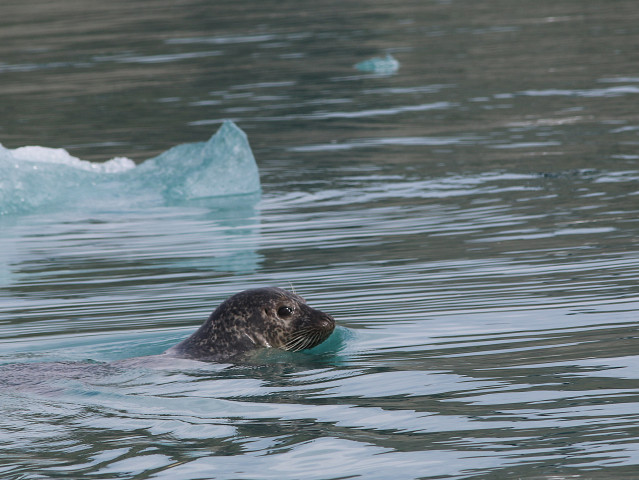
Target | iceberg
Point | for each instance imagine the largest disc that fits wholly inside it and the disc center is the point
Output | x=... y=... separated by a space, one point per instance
x=383 y=65
x=37 y=177
x=222 y=166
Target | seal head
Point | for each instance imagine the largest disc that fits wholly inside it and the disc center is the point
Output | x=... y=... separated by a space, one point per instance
x=253 y=319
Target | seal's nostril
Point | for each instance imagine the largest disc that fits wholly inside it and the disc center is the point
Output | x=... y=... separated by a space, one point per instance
x=327 y=322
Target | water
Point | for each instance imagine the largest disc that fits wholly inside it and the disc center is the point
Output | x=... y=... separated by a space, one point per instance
x=470 y=220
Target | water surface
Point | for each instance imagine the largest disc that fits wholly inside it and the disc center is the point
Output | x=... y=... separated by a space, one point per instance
x=470 y=220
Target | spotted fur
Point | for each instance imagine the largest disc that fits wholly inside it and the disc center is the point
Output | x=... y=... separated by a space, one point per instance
x=254 y=319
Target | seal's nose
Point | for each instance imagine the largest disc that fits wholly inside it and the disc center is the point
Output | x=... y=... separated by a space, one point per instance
x=327 y=322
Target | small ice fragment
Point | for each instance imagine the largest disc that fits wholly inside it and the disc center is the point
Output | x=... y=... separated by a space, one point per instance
x=386 y=65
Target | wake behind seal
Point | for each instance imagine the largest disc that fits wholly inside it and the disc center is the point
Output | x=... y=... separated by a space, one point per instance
x=254 y=319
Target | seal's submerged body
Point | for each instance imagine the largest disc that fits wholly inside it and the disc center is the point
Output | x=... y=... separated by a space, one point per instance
x=254 y=319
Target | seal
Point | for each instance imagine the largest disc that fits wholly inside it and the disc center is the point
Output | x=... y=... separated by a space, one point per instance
x=253 y=319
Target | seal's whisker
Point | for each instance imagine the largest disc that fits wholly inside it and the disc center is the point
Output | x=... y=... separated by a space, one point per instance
x=305 y=338
x=301 y=340
x=296 y=343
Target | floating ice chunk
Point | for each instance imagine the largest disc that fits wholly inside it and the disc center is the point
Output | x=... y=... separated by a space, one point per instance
x=39 y=177
x=385 y=65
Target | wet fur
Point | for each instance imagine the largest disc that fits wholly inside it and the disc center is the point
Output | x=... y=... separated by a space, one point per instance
x=256 y=319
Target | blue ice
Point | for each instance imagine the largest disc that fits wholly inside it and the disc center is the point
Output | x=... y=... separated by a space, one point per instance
x=382 y=65
x=34 y=178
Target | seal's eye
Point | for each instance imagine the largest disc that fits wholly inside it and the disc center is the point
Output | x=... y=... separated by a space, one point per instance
x=284 y=312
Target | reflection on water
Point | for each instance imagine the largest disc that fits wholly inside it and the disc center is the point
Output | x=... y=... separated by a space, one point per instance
x=469 y=220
